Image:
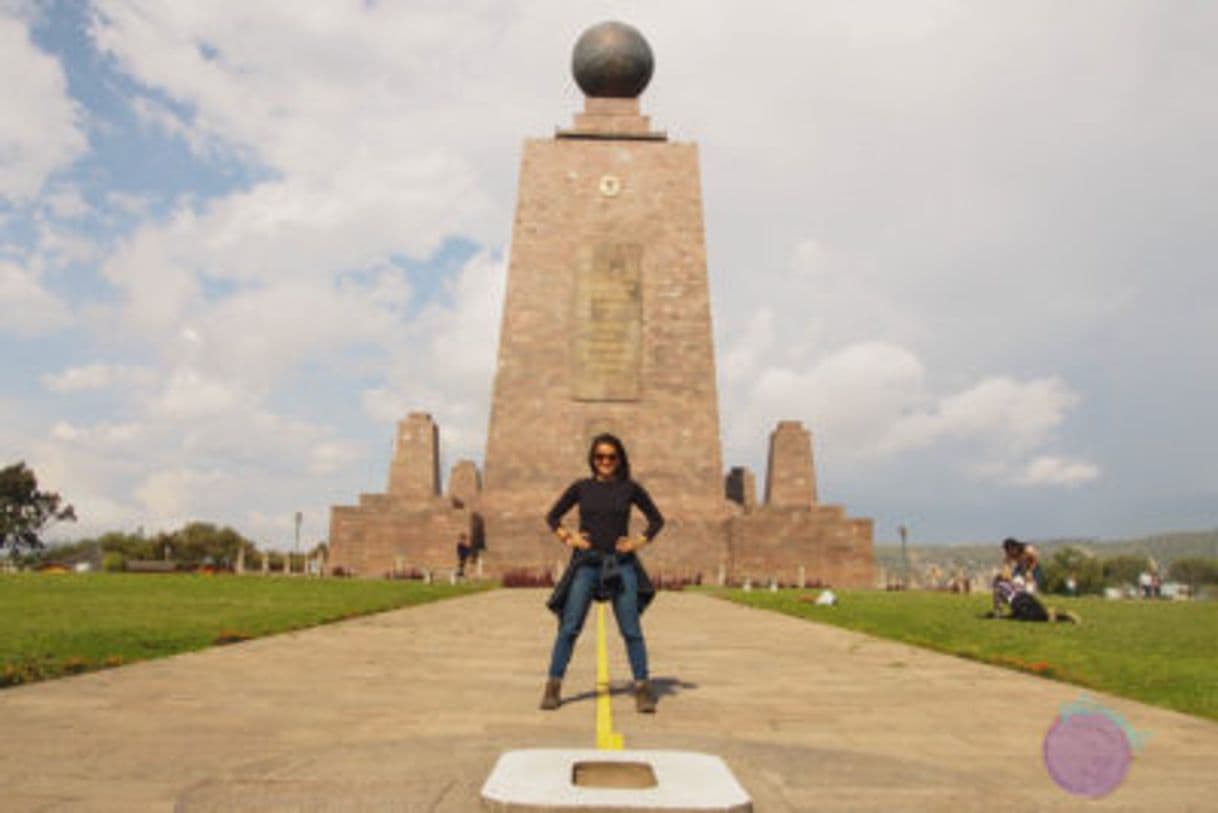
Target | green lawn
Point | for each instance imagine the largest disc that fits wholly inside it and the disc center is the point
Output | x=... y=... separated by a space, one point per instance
x=51 y=625
x=1163 y=652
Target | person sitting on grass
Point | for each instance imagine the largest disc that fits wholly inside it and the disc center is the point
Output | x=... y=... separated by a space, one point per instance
x=1024 y=562
x=1016 y=584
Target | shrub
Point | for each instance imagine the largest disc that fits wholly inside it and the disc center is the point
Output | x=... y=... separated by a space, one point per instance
x=413 y=574
x=662 y=582
x=128 y=546
x=14 y=674
x=1087 y=570
x=528 y=578
x=1120 y=570
x=114 y=562
x=74 y=665
x=1195 y=571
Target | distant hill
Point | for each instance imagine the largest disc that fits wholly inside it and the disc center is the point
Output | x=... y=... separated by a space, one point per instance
x=1163 y=548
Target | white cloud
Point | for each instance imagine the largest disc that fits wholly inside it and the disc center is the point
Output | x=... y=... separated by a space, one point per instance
x=170 y=497
x=89 y=476
x=67 y=202
x=1057 y=471
x=224 y=464
x=103 y=514
x=29 y=309
x=190 y=394
x=128 y=203
x=384 y=405
x=39 y=131
x=59 y=247
x=744 y=357
x=263 y=333
x=65 y=431
x=1015 y=416
x=101 y=435
x=155 y=114
x=96 y=377
x=859 y=391
x=446 y=364
x=872 y=401
x=331 y=456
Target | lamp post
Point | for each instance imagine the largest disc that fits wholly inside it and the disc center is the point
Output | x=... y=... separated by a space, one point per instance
x=904 y=532
x=296 y=548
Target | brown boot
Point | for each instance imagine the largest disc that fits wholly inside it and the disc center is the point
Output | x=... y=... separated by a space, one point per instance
x=644 y=698
x=550 y=700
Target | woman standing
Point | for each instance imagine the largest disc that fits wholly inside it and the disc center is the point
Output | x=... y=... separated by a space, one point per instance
x=603 y=564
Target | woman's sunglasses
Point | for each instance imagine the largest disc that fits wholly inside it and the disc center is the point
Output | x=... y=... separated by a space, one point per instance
x=605 y=457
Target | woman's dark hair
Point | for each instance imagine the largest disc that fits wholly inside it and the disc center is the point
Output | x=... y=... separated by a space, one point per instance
x=1012 y=545
x=623 y=462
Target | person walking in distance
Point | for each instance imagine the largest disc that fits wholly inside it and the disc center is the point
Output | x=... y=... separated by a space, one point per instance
x=604 y=564
x=464 y=552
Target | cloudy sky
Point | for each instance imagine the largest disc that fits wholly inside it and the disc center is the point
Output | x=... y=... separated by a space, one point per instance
x=970 y=244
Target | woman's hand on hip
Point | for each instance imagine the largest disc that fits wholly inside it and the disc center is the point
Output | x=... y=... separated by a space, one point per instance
x=627 y=545
x=579 y=541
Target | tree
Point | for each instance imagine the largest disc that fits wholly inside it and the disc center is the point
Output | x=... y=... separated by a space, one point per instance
x=1125 y=569
x=25 y=511
x=1195 y=571
x=204 y=543
x=1071 y=561
x=128 y=546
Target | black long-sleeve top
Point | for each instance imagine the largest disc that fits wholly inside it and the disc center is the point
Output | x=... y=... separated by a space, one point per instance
x=604 y=510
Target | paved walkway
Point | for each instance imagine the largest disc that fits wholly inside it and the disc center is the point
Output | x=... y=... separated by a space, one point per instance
x=409 y=710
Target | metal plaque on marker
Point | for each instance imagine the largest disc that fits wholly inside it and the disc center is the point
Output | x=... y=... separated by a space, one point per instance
x=608 y=347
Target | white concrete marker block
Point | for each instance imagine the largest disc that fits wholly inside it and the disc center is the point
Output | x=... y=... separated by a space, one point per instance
x=544 y=779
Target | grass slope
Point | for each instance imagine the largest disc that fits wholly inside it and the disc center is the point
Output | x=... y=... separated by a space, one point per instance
x=51 y=625
x=1164 y=653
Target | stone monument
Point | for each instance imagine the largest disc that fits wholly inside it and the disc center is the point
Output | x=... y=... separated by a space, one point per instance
x=410 y=527
x=791 y=537
x=607 y=327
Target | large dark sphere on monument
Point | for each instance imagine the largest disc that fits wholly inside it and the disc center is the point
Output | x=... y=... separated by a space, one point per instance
x=612 y=59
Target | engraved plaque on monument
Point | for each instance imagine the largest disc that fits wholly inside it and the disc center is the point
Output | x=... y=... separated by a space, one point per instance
x=608 y=323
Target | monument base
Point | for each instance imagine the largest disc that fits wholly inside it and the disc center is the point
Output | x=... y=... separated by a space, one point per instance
x=385 y=537
x=816 y=546
x=555 y=780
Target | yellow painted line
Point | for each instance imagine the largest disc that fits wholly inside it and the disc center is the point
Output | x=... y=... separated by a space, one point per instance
x=606 y=738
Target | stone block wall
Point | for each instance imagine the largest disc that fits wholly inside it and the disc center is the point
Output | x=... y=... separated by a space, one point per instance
x=410 y=526
x=415 y=470
x=791 y=539
x=791 y=476
x=376 y=543
x=465 y=484
x=790 y=544
x=775 y=543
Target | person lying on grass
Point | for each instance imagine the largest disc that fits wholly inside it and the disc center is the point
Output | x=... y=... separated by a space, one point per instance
x=1016 y=584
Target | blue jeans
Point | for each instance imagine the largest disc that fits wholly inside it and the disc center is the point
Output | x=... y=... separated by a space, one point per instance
x=625 y=610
